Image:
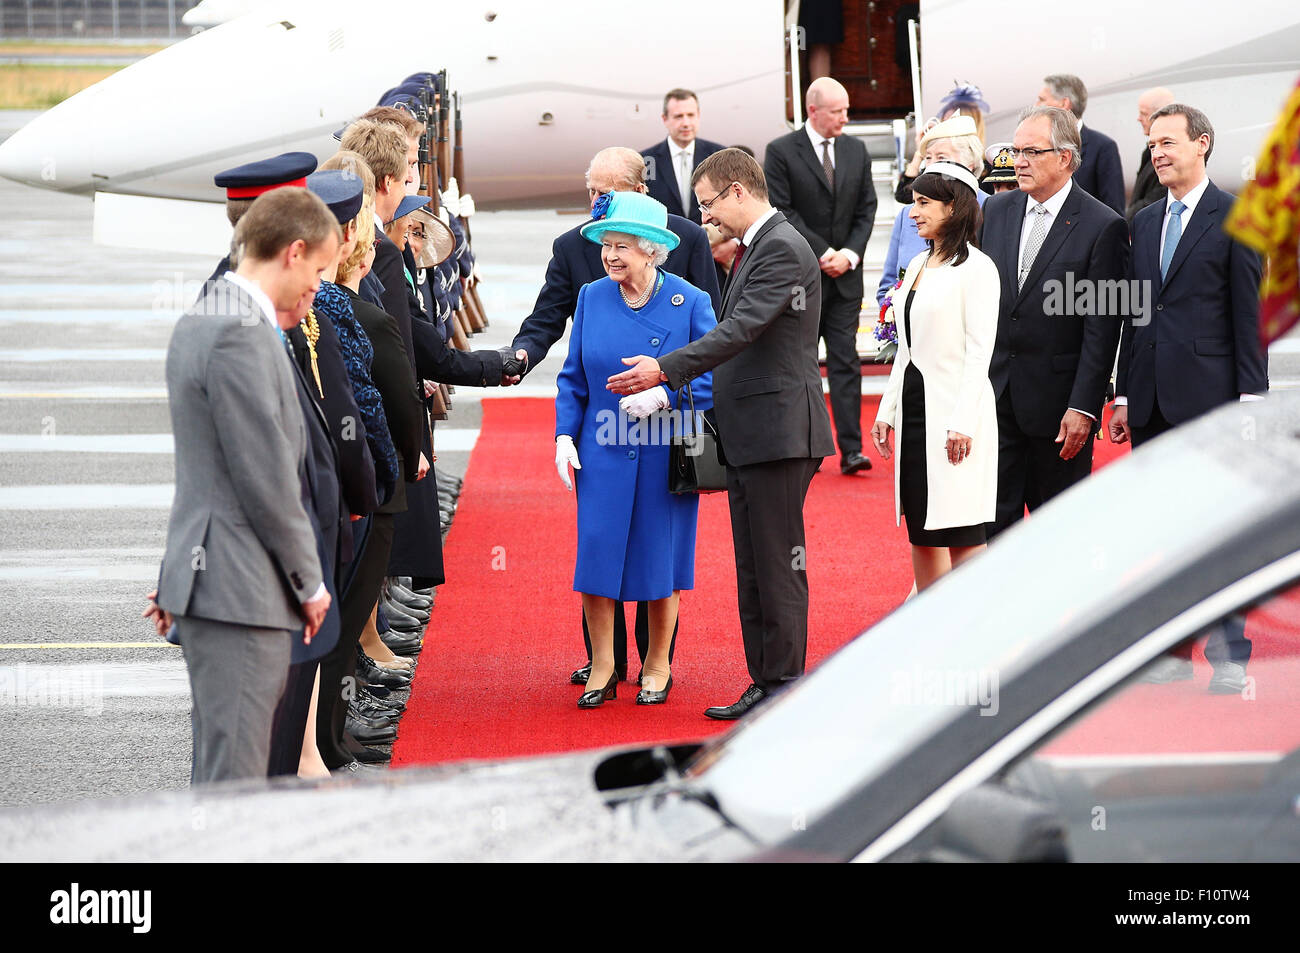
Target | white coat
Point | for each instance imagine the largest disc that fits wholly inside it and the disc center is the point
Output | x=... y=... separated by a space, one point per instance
x=955 y=324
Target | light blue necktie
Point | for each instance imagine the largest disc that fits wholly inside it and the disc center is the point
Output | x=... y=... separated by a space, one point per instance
x=1172 y=234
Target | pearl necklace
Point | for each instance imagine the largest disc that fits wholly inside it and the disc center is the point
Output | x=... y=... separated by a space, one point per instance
x=645 y=295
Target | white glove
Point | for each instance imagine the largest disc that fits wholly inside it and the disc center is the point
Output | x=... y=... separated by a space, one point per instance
x=451 y=197
x=645 y=403
x=566 y=455
x=466 y=205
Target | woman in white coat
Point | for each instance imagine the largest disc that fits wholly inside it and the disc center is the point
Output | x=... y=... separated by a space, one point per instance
x=939 y=400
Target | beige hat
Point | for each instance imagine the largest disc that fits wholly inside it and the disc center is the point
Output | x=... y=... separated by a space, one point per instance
x=949 y=129
x=440 y=240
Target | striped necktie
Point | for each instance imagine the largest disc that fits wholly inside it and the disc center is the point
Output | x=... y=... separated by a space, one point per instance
x=827 y=166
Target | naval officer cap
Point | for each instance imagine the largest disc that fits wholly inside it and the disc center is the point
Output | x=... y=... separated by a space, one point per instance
x=340 y=190
x=250 y=180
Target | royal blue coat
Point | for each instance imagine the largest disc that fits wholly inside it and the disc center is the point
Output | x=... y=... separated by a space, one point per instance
x=636 y=541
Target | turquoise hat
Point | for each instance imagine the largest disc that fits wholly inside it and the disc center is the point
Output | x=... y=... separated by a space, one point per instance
x=633 y=214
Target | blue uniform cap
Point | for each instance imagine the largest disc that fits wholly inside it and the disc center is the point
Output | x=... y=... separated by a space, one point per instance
x=341 y=191
x=253 y=178
x=410 y=204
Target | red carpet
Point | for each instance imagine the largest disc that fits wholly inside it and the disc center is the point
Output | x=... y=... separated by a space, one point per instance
x=505 y=633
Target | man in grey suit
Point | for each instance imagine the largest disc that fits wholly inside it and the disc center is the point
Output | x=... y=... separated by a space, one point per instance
x=772 y=420
x=240 y=570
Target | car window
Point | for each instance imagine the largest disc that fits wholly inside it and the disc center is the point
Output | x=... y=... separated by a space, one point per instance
x=1197 y=758
x=918 y=671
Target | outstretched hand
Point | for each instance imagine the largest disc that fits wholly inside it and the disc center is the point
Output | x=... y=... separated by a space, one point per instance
x=645 y=373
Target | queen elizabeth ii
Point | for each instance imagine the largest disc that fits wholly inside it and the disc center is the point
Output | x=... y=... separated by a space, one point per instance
x=636 y=540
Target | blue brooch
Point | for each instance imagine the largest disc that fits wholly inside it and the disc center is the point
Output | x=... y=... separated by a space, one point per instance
x=601 y=208
x=678 y=299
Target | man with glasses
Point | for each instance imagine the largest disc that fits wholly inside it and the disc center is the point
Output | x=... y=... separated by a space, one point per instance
x=1055 y=347
x=575 y=262
x=821 y=182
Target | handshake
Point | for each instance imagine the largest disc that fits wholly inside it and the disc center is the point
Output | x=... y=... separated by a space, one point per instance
x=513 y=365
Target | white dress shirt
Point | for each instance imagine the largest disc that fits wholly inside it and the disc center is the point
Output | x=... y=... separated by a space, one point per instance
x=683 y=178
x=752 y=232
x=259 y=298
x=1053 y=204
x=817 y=139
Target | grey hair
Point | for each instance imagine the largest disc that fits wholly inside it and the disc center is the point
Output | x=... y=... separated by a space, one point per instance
x=657 y=251
x=1068 y=86
x=1065 y=131
x=969 y=149
x=1198 y=124
x=628 y=164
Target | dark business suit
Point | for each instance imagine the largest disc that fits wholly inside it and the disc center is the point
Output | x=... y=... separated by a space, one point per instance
x=356 y=465
x=774 y=430
x=575 y=261
x=1198 y=347
x=323 y=500
x=841 y=218
x=661 y=176
x=1046 y=363
x=1100 y=173
x=1147 y=189
x=404 y=411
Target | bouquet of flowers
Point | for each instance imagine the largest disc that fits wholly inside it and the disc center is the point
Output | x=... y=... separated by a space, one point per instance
x=886 y=329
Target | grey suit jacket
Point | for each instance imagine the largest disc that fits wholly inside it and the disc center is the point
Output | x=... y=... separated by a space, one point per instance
x=240 y=547
x=767 y=390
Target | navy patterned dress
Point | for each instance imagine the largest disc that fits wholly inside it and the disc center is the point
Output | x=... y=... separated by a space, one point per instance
x=358 y=354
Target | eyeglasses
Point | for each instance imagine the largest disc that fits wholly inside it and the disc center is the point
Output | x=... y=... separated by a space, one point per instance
x=706 y=207
x=1030 y=153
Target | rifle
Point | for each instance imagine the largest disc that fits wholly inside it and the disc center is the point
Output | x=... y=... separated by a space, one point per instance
x=470 y=292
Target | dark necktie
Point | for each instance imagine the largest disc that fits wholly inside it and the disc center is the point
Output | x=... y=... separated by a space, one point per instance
x=827 y=166
x=740 y=253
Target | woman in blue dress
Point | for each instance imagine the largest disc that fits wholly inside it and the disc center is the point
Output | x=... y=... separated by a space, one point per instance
x=636 y=540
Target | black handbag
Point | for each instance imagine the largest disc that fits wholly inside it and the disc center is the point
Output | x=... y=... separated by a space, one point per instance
x=695 y=460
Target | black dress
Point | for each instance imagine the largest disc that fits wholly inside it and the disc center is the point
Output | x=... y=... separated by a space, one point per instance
x=912 y=479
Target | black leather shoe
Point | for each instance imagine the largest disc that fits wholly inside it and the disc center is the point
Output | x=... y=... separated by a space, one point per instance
x=598 y=696
x=853 y=462
x=408 y=599
x=368 y=717
x=400 y=616
x=647 y=697
x=367 y=735
x=372 y=756
x=751 y=697
x=580 y=676
x=368 y=695
x=368 y=673
x=406 y=648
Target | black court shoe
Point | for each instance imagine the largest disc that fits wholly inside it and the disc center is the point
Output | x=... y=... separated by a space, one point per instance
x=598 y=696
x=580 y=676
x=647 y=697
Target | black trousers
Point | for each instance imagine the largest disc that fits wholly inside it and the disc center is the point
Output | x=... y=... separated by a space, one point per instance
x=839 y=328
x=1227 y=640
x=289 y=723
x=642 y=630
x=766 y=501
x=1030 y=469
x=338 y=669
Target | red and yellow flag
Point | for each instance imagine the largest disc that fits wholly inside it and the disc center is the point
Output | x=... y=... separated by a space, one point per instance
x=1266 y=216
